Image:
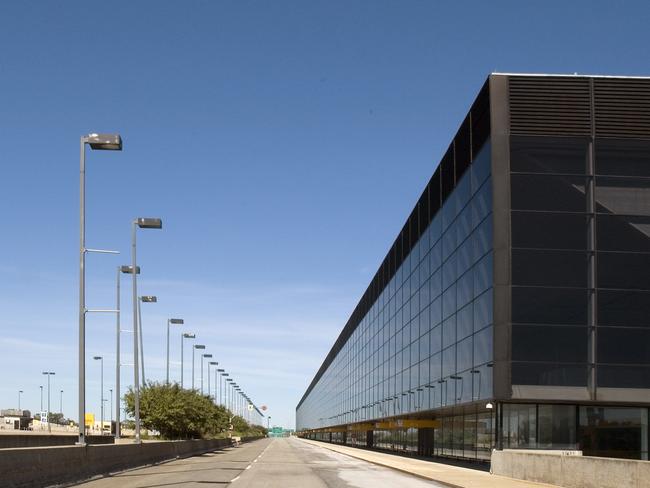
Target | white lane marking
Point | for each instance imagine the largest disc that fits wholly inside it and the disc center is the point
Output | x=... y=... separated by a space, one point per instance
x=234 y=479
x=248 y=467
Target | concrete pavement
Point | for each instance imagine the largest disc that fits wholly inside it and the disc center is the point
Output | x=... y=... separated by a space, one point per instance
x=266 y=463
x=451 y=476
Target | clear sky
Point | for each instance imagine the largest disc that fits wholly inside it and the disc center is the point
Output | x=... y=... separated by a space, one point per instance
x=283 y=144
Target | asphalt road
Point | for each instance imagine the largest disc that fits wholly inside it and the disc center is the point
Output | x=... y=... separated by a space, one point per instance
x=267 y=463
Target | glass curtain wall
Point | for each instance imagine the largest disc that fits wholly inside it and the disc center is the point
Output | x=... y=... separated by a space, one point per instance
x=427 y=340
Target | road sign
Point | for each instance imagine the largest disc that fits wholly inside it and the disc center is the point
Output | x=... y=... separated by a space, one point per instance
x=89 y=419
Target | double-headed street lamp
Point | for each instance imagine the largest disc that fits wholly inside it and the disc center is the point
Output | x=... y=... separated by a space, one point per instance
x=142 y=223
x=100 y=142
x=125 y=270
x=207 y=356
x=173 y=322
x=101 y=394
x=196 y=346
x=143 y=299
x=49 y=375
x=184 y=335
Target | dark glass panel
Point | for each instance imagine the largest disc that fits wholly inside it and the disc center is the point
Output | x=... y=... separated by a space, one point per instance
x=464 y=354
x=449 y=361
x=614 y=432
x=483 y=275
x=623 y=233
x=552 y=193
x=623 y=345
x=548 y=154
x=562 y=374
x=482 y=203
x=549 y=230
x=483 y=310
x=447 y=172
x=557 y=426
x=549 y=268
x=480 y=168
x=623 y=270
x=449 y=331
x=483 y=346
x=531 y=305
x=624 y=307
x=623 y=376
x=622 y=157
x=519 y=426
x=465 y=322
x=552 y=344
x=624 y=196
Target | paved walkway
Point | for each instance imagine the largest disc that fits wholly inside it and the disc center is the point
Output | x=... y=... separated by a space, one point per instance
x=453 y=476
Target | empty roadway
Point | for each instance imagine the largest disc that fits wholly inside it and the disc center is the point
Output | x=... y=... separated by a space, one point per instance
x=268 y=463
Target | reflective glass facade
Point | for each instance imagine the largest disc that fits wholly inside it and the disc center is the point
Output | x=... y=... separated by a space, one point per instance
x=427 y=341
x=513 y=310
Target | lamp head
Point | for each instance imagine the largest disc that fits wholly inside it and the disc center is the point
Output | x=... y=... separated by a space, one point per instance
x=149 y=299
x=188 y=335
x=207 y=355
x=176 y=321
x=199 y=346
x=149 y=223
x=97 y=357
x=104 y=142
x=213 y=363
x=129 y=269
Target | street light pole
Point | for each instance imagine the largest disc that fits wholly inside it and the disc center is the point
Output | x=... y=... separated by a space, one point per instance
x=212 y=363
x=143 y=299
x=41 y=387
x=143 y=223
x=101 y=394
x=49 y=424
x=220 y=372
x=175 y=322
x=19 y=393
x=61 y=402
x=196 y=346
x=126 y=270
x=111 y=409
x=185 y=335
x=205 y=356
x=110 y=142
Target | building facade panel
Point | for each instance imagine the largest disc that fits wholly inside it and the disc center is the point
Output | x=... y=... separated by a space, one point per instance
x=512 y=310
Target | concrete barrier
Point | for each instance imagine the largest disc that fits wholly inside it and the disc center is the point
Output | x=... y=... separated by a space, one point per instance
x=48 y=466
x=571 y=471
x=10 y=441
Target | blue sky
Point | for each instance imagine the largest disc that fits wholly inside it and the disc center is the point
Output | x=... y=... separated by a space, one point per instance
x=283 y=144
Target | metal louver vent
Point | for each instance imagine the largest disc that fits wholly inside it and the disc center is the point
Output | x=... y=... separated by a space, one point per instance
x=622 y=107
x=549 y=105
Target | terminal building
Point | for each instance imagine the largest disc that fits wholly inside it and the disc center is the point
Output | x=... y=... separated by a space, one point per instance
x=513 y=308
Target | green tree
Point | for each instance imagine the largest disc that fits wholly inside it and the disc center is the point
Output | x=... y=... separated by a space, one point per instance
x=178 y=413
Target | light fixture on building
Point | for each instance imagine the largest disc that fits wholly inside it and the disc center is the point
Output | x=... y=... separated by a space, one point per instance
x=489 y=406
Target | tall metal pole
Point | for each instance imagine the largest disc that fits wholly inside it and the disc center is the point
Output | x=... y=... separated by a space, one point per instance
x=117 y=358
x=140 y=337
x=19 y=392
x=101 y=396
x=167 y=377
x=193 y=349
x=61 y=402
x=41 y=387
x=49 y=423
x=111 y=409
x=201 y=374
x=136 y=369
x=182 y=343
x=82 y=293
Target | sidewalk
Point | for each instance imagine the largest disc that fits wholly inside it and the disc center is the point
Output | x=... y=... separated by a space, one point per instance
x=453 y=476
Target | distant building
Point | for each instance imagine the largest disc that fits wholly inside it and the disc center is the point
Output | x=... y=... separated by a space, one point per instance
x=14 y=419
x=513 y=309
